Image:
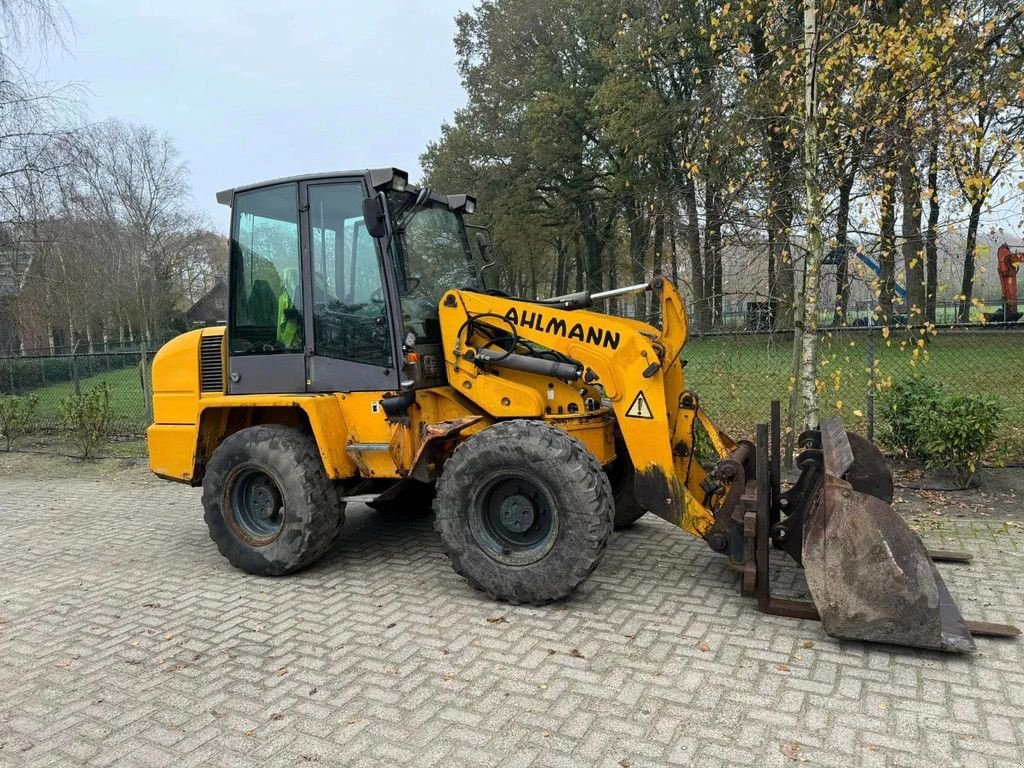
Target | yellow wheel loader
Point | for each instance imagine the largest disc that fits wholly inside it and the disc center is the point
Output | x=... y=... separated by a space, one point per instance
x=364 y=359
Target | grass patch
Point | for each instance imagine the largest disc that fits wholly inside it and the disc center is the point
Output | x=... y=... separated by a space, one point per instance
x=128 y=408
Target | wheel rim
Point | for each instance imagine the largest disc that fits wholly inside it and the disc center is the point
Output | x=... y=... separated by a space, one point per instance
x=513 y=519
x=255 y=508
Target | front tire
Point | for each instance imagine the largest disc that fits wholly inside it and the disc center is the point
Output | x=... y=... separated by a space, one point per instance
x=269 y=505
x=524 y=512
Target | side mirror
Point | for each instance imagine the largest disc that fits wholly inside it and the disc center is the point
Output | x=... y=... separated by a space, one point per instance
x=375 y=215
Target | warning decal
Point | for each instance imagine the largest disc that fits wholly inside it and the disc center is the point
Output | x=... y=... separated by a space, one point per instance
x=639 y=409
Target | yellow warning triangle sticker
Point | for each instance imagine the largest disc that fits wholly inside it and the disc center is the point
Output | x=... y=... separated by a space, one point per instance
x=639 y=409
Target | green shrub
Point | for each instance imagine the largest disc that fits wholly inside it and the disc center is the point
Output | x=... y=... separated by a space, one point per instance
x=16 y=416
x=87 y=418
x=951 y=432
x=959 y=431
x=703 y=448
x=906 y=406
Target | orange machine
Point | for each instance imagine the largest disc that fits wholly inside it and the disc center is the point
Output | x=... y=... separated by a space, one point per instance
x=1008 y=263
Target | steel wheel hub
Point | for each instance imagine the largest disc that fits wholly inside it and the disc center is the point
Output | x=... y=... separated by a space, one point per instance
x=513 y=519
x=254 y=506
x=517 y=513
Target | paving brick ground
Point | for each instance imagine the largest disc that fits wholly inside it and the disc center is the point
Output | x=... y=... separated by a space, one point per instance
x=126 y=640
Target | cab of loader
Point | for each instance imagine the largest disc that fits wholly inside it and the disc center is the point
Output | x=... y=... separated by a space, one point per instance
x=321 y=300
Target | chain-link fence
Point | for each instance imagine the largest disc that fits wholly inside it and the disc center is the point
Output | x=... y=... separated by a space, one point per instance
x=52 y=377
x=736 y=374
x=756 y=315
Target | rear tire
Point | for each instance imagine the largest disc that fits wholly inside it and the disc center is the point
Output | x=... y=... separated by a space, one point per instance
x=269 y=505
x=524 y=512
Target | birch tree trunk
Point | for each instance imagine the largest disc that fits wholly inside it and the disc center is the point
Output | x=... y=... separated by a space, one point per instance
x=808 y=338
x=931 y=238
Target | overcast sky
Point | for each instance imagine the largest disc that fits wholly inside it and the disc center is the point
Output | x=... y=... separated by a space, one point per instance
x=251 y=90
x=254 y=89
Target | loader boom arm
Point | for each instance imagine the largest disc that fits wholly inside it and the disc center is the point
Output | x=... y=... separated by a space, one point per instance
x=638 y=369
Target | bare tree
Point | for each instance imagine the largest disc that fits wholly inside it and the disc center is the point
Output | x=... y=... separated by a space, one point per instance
x=32 y=113
x=135 y=183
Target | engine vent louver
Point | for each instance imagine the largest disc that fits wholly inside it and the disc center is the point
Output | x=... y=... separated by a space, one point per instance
x=211 y=364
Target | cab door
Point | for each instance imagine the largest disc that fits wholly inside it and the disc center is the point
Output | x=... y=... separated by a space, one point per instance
x=266 y=343
x=350 y=341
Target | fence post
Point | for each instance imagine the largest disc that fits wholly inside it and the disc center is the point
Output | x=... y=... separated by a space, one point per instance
x=146 y=397
x=74 y=369
x=870 y=347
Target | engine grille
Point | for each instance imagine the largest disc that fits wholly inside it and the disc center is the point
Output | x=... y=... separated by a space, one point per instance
x=211 y=364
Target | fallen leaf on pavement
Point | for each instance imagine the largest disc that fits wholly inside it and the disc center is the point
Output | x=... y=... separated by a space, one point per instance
x=792 y=751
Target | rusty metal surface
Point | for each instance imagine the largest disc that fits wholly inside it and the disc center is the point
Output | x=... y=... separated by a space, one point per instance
x=988 y=629
x=949 y=556
x=870 y=574
x=732 y=472
x=427 y=462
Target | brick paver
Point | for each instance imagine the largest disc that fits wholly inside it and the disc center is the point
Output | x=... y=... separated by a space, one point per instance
x=125 y=639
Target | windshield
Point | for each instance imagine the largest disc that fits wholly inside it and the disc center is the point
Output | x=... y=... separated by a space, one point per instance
x=431 y=256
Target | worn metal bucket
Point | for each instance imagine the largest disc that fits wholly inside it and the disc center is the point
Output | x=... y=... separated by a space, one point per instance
x=869 y=574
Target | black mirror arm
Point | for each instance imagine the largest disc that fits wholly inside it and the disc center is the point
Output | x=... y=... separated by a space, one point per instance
x=486 y=254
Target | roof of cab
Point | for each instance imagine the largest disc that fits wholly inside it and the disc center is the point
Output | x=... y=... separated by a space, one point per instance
x=377 y=176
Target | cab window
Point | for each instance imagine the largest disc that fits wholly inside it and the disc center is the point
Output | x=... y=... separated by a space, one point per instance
x=349 y=314
x=266 y=312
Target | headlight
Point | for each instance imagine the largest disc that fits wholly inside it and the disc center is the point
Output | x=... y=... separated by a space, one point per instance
x=384 y=179
x=462 y=203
